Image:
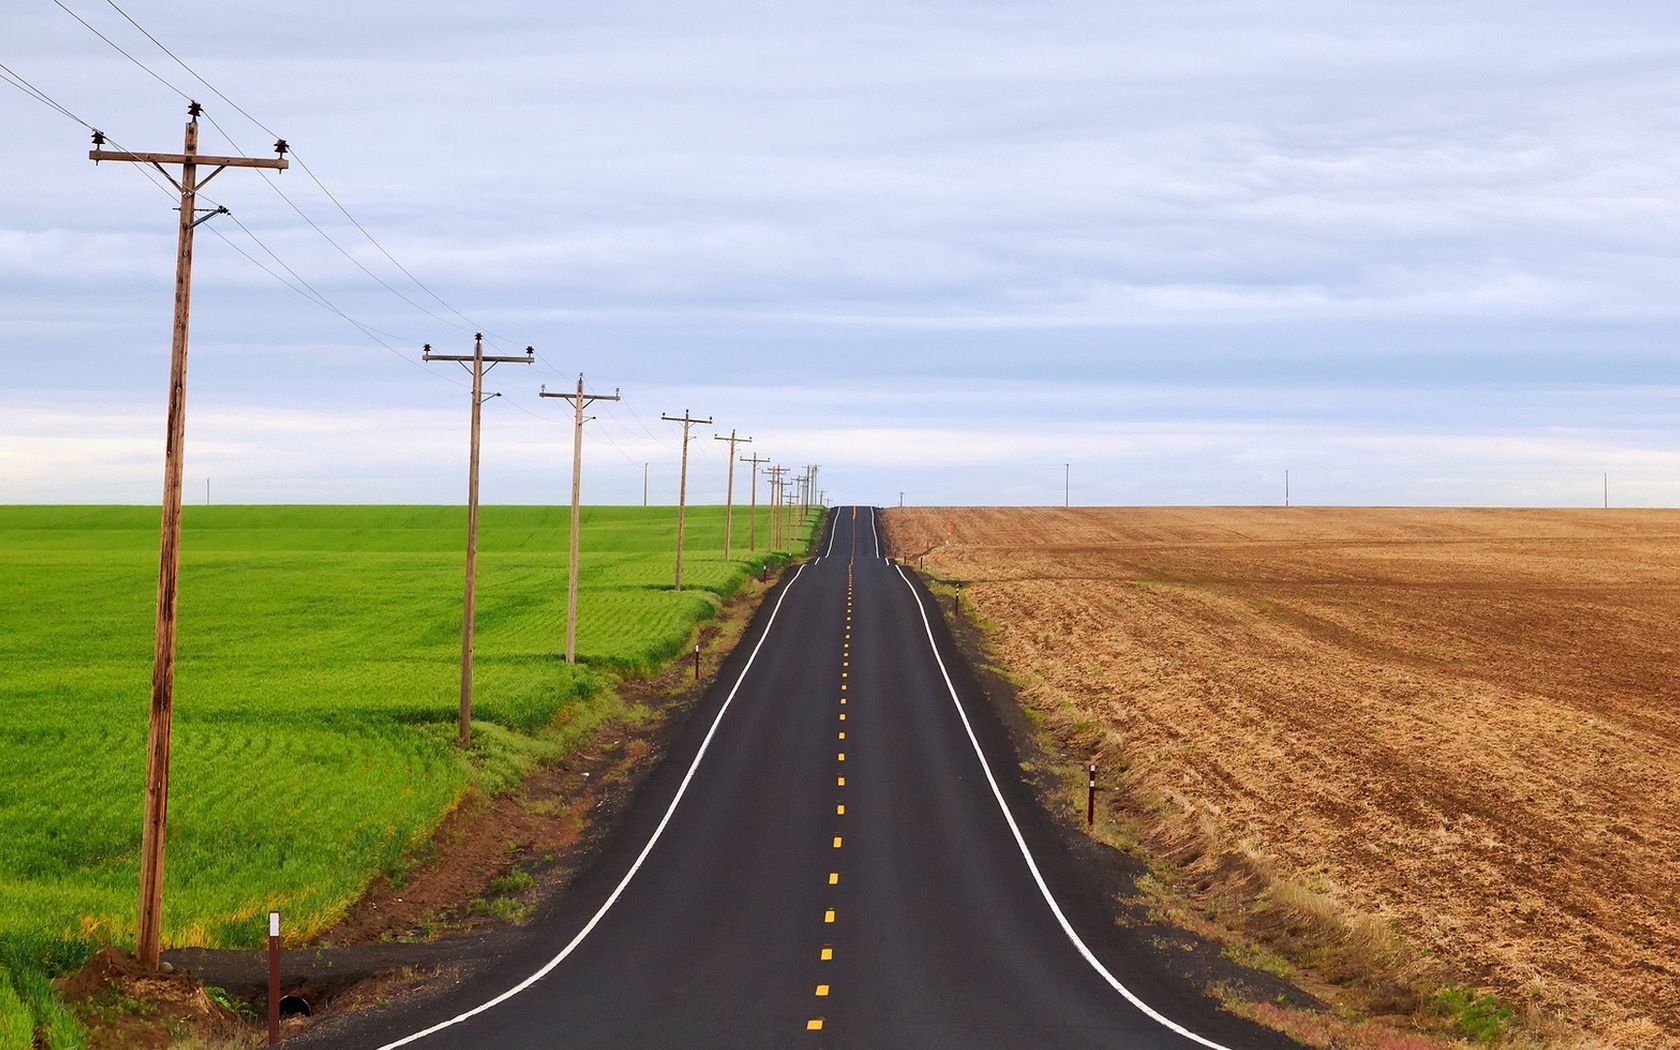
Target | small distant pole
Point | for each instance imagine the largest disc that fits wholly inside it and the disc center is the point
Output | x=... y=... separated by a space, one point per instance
x=273 y=977
x=901 y=498
x=644 y=483
x=687 y=420
x=752 y=514
x=1067 y=484
x=206 y=492
x=729 y=492
x=696 y=661
x=1091 y=796
x=1606 y=491
x=1286 y=488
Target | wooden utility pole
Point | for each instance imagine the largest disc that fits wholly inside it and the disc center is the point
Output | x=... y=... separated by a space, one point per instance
x=752 y=524
x=729 y=493
x=149 y=931
x=644 y=482
x=580 y=401
x=478 y=361
x=682 y=484
x=776 y=530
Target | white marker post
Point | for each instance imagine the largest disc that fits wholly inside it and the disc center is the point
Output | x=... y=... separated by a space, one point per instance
x=273 y=977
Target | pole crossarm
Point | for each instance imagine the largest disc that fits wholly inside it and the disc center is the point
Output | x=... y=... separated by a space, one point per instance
x=206 y=159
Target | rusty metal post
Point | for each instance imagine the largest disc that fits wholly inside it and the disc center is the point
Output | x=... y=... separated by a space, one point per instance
x=273 y=977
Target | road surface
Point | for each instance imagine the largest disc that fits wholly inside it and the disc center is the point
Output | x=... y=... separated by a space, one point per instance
x=826 y=861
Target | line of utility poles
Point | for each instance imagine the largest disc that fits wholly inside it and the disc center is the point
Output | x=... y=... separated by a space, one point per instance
x=682 y=484
x=149 y=929
x=752 y=523
x=477 y=361
x=729 y=492
x=580 y=401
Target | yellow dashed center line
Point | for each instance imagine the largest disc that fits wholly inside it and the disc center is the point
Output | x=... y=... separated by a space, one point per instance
x=815 y=1024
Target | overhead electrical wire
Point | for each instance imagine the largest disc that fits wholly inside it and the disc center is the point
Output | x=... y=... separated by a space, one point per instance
x=196 y=75
x=306 y=290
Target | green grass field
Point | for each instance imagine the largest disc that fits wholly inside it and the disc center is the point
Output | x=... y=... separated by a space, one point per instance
x=318 y=671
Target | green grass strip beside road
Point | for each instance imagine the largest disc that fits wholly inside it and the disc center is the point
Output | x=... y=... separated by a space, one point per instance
x=317 y=679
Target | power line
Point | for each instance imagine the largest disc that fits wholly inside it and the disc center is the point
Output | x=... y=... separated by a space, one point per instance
x=15 y=79
x=471 y=324
x=311 y=292
x=644 y=428
x=148 y=69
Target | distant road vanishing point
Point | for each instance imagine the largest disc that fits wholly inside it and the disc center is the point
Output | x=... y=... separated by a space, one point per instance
x=839 y=852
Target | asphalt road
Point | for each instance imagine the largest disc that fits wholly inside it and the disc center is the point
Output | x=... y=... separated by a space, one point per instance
x=825 y=861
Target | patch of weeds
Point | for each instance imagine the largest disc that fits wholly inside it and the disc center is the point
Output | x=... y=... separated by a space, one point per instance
x=1482 y=1017
x=513 y=882
x=1257 y=958
x=508 y=908
x=223 y=998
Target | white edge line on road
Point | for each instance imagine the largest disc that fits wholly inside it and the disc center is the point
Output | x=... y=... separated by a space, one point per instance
x=622 y=883
x=1032 y=866
x=832 y=529
x=876 y=536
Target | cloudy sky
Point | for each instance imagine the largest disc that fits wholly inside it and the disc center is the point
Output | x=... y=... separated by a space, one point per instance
x=1409 y=252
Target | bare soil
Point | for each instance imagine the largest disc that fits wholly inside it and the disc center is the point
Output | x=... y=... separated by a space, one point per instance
x=1454 y=731
x=127 y=1007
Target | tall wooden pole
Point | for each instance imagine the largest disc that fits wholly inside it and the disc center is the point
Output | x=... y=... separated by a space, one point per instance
x=729 y=492
x=148 y=940
x=463 y=728
x=752 y=522
x=579 y=401
x=682 y=484
x=470 y=594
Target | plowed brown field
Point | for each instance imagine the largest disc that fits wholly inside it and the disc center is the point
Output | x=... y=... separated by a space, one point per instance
x=1464 y=723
